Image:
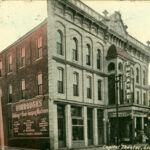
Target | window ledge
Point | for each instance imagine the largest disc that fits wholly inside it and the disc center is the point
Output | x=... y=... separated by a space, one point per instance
x=39 y=96
x=38 y=59
x=9 y=73
x=21 y=67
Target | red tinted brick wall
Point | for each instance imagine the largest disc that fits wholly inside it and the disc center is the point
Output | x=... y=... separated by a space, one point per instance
x=29 y=72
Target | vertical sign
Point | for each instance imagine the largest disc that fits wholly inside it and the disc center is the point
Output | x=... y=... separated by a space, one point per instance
x=128 y=81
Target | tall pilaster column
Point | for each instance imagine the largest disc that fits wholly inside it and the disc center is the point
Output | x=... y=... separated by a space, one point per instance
x=105 y=119
x=68 y=126
x=142 y=123
x=95 y=129
x=85 y=125
x=53 y=130
x=135 y=134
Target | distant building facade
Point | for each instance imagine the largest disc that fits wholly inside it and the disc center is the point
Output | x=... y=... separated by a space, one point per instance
x=78 y=79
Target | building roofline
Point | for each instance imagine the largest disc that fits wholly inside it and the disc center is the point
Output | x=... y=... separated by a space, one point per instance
x=25 y=35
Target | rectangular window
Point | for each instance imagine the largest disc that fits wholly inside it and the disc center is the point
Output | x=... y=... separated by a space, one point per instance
x=22 y=57
x=39 y=84
x=99 y=90
x=75 y=85
x=9 y=93
x=89 y=89
x=10 y=63
x=39 y=47
x=60 y=80
x=138 y=97
x=22 y=89
x=77 y=124
x=0 y=68
x=74 y=54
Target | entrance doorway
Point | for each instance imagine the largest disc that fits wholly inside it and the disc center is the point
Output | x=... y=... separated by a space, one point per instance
x=61 y=126
x=100 y=127
x=90 y=126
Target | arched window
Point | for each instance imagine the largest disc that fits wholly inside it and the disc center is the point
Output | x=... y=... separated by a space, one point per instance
x=22 y=89
x=9 y=93
x=120 y=66
x=88 y=54
x=59 y=40
x=144 y=77
x=137 y=75
x=98 y=59
x=111 y=67
x=74 y=49
x=39 y=84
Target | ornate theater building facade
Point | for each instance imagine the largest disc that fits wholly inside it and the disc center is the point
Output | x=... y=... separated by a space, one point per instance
x=78 y=79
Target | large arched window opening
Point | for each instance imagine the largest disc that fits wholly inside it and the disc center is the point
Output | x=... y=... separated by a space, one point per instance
x=59 y=40
x=74 y=49
x=111 y=67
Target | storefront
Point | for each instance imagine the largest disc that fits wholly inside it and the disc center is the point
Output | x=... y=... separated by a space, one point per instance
x=85 y=126
x=128 y=127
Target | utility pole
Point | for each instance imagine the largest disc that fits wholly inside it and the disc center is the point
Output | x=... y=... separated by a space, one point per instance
x=118 y=82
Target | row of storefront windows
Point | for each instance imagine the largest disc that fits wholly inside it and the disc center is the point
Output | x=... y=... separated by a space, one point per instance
x=77 y=125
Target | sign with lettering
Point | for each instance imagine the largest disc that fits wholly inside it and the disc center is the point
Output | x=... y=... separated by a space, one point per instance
x=128 y=80
x=29 y=118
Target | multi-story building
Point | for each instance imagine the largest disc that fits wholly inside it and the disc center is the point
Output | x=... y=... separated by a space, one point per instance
x=78 y=79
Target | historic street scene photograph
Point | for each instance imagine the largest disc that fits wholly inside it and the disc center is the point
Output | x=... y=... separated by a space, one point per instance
x=74 y=75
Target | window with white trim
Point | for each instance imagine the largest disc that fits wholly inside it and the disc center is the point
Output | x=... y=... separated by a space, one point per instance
x=22 y=57
x=75 y=49
x=75 y=84
x=39 y=84
x=39 y=48
x=88 y=55
x=89 y=87
x=59 y=40
x=10 y=63
x=22 y=89
x=9 y=93
x=60 y=80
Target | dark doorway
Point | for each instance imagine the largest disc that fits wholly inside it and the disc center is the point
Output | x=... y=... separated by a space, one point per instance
x=90 y=126
x=111 y=89
x=61 y=126
x=100 y=127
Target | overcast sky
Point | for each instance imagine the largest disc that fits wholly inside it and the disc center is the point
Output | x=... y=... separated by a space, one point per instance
x=18 y=17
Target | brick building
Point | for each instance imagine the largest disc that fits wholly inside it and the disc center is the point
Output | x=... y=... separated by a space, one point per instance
x=24 y=76
x=77 y=80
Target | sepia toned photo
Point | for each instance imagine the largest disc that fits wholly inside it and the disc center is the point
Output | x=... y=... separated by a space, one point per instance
x=74 y=75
